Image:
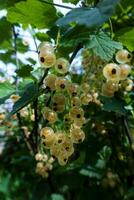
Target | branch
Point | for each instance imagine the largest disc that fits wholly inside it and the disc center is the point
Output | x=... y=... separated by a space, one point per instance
x=28 y=142
x=75 y=52
x=127 y=130
x=55 y=4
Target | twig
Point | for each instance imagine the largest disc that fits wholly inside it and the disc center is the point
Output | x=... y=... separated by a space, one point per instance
x=28 y=142
x=127 y=131
x=45 y=74
x=55 y=4
x=75 y=52
x=15 y=46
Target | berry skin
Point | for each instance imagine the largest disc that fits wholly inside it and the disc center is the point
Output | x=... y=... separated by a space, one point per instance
x=47 y=59
x=111 y=72
x=76 y=113
x=59 y=99
x=49 y=81
x=123 y=56
x=77 y=135
x=45 y=46
x=62 y=66
x=75 y=101
x=129 y=85
x=60 y=84
x=124 y=71
x=86 y=99
x=109 y=88
x=85 y=87
x=46 y=131
x=50 y=115
x=62 y=160
x=73 y=89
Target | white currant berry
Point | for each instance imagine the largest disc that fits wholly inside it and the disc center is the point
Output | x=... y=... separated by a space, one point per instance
x=47 y=59
x=62 y=65
x=124 y=71
x=45 y=46
x=111 y=72
x=49 y=81
x=123 y=56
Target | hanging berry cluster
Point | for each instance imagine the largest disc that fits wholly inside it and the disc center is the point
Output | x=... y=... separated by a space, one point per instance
x=64 y=116
x=117 y=74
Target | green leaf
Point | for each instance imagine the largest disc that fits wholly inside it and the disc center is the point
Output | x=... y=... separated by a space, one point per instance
x=91 y=17
x=103 y=46
x=6 y=34
x=74 y=36
x=113 y=105
x=24 y=71
x=30 y=92
x=71 y=1
x=57 y=197
x=32 y=12
x=126 y=36
x=98 y=169
x=6 y=89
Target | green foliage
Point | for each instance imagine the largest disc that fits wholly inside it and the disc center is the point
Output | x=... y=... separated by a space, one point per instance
x=102 y=166
x=71 y=1
x=125 y=36
x=28 y=94
x=103 y=46
x=91 y=17
x=26 y=13
x=6 y=34
x=24 y=71
x=6 y=89
x=114 y=105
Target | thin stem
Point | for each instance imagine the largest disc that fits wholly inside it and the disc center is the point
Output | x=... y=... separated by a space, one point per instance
x=55 y=4
x=15 y=35
x=28 y=142
x=127 y=131
x=36 y=123
x=75 y=52
x=111 y=27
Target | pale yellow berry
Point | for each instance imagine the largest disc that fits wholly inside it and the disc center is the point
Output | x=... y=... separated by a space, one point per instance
x=123 y=56
x=124 y=71
x=111 y=72
x=62 y=66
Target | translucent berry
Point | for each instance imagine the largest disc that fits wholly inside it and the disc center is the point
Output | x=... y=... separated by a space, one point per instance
x=111 y=71
x=50 y=115
x=47 y=59
x=59 y=108
x=129 y=85
x=77 y=135
x=80 y=122
x=123 y=56
x=45 y=46
x=59 y=99
x=76 y=113
x=14 y=97
x=49 y=81
x=60 y=84
x=85 y=87
x=62 y=66
x=109 y=88
x=73 y=89
x=124 y=71
x=62 y=160
x=46 y=131
x=75 y=101
x=86 y=99
x=39 y=157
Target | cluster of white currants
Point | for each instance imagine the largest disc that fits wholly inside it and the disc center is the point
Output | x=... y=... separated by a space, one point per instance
x=116 y=74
